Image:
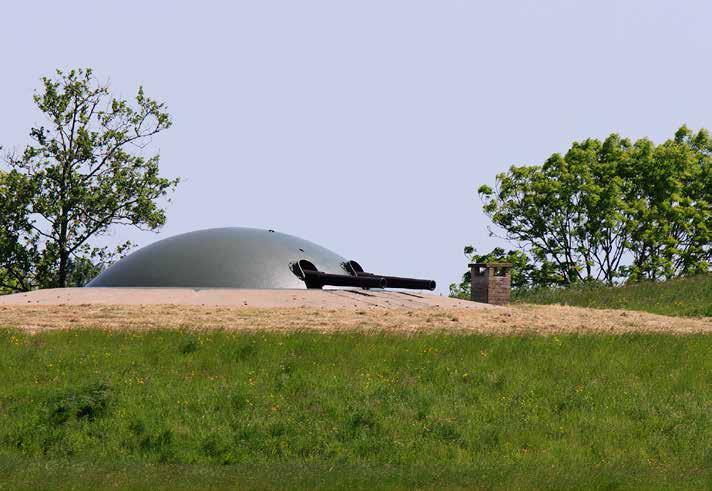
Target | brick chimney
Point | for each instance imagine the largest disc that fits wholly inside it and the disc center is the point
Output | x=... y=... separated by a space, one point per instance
x=491 y=282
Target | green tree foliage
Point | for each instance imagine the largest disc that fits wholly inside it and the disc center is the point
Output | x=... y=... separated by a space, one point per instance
x=84 y=172
x=670 y=206
x=17 y=249
x=611 y=210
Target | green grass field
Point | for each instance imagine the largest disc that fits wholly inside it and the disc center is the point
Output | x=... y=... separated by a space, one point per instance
x=679 y=297
x=182 y=410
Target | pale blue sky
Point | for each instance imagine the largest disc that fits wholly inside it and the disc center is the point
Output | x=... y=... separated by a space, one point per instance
x=367 y=126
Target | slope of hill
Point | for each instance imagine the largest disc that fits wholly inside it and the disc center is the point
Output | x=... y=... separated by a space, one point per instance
x=680 y=297
x=218 y=409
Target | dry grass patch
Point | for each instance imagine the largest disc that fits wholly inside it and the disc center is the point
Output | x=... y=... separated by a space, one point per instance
x=517 y=319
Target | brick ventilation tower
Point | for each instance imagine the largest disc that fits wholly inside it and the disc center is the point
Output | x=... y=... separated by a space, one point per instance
x=491 y=282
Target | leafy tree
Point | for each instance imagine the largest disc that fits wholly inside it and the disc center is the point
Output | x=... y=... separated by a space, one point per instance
x=567 y=211
x=670 y=206
x=610 y=210
x=84 y=173
x=15 y=231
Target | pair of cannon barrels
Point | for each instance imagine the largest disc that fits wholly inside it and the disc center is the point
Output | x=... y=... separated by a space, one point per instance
x=358 y=278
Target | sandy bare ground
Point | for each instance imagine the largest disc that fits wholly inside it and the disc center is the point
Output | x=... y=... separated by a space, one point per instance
x=233 y=297
x=424 y=313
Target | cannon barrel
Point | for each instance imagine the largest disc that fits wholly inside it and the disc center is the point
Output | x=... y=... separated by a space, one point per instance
x=313 y=278
x=317 y=279
x=410 y=283
x=391 y=281
x=400 y=282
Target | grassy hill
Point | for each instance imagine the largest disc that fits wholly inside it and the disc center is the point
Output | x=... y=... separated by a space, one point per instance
x=167 y=409
x=678 y=297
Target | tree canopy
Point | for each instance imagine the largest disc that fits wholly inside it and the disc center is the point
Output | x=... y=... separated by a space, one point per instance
x=85 y=171
x=609 y=211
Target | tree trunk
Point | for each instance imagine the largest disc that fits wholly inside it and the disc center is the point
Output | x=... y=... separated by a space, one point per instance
x=62 y=273
x=63 y=252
